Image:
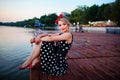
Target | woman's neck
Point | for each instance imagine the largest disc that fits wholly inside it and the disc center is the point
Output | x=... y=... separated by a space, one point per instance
x=65 y=32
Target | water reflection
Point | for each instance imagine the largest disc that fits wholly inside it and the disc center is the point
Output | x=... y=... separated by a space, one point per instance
x=14 y=49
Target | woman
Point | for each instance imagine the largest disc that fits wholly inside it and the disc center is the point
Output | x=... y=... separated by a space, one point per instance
x=52 y=49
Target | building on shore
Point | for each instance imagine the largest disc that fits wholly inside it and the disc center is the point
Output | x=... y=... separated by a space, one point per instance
x=103 y=24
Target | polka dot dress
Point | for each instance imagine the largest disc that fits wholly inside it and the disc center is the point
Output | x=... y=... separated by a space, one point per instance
x=53 y=60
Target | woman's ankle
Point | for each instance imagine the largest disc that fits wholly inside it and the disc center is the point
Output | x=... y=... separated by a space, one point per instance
x=35 y=62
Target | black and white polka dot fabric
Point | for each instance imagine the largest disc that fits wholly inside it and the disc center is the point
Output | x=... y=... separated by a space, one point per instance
x=53 y=60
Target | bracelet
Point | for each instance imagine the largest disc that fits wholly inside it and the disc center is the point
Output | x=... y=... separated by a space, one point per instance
x=49 y=35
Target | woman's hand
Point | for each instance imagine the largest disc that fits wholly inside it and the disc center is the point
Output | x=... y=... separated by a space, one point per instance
x=32 y=40
x=37 y=40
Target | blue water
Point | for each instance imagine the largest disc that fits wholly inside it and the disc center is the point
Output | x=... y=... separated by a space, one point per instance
x=14 y=50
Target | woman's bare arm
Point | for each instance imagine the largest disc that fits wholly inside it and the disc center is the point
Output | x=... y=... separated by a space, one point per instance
x=65 y=36
x=37 y=39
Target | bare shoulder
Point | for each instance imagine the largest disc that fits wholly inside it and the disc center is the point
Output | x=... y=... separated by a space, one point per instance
x=68 y=34
x=68 y=37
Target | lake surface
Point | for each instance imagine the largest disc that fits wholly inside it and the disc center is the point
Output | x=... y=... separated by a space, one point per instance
x=14 y=50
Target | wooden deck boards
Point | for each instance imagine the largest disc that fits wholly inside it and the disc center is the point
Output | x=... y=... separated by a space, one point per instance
x=93 y=56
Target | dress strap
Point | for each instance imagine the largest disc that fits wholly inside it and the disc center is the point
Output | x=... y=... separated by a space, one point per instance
x=72 y=38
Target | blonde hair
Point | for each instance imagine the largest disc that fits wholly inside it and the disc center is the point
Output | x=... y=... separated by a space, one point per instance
x=66 y=21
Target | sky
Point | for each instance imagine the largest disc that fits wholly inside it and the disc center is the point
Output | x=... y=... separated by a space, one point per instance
x=19 y=10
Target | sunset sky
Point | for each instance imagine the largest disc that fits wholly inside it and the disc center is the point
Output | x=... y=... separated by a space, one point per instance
x=18 y=10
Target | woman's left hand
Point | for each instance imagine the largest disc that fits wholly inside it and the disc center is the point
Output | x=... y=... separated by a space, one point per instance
x=37 y=40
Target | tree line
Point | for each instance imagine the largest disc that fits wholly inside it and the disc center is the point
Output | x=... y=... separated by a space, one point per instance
x=82 y=14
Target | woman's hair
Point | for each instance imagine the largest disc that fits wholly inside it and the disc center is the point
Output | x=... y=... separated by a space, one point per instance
x=65 y=20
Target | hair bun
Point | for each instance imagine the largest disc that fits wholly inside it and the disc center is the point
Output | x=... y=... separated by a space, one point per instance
x=60 y=16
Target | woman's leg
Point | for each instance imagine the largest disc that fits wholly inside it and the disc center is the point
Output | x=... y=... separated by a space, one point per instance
x=34 y=55
x=35 y=61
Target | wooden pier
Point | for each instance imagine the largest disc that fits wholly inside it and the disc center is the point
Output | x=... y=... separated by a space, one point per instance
x=93 y=56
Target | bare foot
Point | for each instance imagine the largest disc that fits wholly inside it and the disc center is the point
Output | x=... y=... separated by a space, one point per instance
x=35 y=61
x=24 y=65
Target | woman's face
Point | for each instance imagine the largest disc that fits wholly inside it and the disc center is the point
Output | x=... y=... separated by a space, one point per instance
x=63 y=26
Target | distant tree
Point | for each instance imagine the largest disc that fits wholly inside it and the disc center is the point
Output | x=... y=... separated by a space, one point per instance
x=92 y=13
x=101 y=11
x=77 y=15
x=20 y=23
x=1 y=23
x=49 y=20
x=84 y=17
x=52 y=18
x=116 y=12
x=107 y=12
x=43 y=19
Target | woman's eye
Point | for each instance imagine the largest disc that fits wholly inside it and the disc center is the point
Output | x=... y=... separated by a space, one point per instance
x=64 y=24
x=59 y=25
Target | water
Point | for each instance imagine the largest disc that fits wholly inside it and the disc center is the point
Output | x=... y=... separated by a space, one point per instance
x=14 y=50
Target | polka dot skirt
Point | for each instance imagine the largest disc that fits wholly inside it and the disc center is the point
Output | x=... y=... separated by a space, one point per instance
x=53 y=60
